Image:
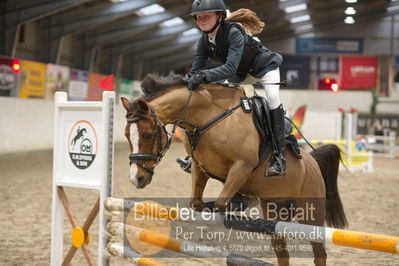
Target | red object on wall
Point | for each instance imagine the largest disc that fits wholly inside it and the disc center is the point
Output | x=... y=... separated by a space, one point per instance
x=16 y=65
x=95 y=93
x=107 y=83
x=359 y=72
x=328 y=84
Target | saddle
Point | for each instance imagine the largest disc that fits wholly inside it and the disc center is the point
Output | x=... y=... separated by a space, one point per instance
x=262 y=121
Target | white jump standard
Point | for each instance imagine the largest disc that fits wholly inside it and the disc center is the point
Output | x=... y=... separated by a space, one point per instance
x=83 y=158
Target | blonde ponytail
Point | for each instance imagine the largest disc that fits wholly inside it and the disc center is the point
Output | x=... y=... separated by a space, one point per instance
x=248 y=19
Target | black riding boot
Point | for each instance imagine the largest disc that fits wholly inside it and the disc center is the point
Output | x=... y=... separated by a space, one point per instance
x=277 y=164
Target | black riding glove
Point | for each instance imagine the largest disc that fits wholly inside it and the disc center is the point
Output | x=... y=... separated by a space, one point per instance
x=195 y=80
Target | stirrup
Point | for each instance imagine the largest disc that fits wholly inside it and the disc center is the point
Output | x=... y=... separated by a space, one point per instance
x=185 y=164
x=276 y=162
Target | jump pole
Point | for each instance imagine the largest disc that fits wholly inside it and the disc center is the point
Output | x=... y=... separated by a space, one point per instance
x=117 y=249
x=180 y=246
x=340 y=237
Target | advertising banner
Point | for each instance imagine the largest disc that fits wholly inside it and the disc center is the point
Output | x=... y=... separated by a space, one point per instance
x=9 y=76
x=57 y=79
x=125 y=88
x=78 y=85
x=358 y=72
x=384 y=121
x=33 y=79
x=95 y=93
x=296 y=70
x=328 y=46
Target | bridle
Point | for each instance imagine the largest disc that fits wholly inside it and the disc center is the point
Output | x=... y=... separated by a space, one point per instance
x=192 y=135
x=156 y=135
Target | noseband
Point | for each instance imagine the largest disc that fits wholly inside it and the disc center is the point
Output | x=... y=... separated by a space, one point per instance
x=157 y=134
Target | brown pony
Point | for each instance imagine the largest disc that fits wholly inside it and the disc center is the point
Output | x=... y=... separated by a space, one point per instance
x=228 y=150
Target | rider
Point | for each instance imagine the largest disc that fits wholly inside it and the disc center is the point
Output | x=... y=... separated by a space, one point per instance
x=242 y=59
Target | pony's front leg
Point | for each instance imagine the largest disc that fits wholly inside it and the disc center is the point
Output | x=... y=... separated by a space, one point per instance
x=236 y=178
x=199 y=180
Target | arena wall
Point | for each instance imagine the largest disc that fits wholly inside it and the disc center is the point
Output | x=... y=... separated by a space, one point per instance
x=27 y=124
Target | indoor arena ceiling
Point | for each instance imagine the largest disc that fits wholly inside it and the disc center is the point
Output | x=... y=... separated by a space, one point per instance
x=124 y=28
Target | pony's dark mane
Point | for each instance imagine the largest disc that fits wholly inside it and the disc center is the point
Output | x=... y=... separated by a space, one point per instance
x=154 y=85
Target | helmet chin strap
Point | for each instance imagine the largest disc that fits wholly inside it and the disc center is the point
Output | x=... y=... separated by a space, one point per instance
x=218 y=22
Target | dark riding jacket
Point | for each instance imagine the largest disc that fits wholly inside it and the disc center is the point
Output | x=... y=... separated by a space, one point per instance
x=237 y=52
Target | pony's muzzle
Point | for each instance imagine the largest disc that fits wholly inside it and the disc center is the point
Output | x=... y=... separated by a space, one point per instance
x=139 y=178
x=141 y=182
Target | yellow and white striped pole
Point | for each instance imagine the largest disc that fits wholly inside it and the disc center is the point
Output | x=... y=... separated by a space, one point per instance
x=179 y=245
x=340 y=237
x=369 y=241
x=383 y=243
x=118 y=249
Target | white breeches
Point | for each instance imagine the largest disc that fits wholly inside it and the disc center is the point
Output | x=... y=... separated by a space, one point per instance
x=272 y=91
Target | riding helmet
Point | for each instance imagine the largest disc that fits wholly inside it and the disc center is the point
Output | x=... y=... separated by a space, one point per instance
x=203 y=6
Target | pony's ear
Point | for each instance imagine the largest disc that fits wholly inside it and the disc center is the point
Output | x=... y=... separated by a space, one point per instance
x=141 y=106
x=125 y=103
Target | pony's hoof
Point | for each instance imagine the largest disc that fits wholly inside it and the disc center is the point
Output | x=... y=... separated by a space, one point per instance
x=220 y=206
x=197 y=205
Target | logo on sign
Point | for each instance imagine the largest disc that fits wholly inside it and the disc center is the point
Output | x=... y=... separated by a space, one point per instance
x=8 y=79
x=360 y=146
x=349 y=46
x=292 y=75
x=82 y=144
x=362 y=70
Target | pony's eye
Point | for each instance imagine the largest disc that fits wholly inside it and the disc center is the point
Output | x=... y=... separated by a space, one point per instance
x=148 y=136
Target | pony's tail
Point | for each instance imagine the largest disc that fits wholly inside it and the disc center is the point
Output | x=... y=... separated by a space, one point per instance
x=328 y=158
x=248 y=19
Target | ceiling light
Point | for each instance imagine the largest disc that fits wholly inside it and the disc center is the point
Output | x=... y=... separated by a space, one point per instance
x=150 y=10
x=304 y=27
x=350 y=11
x=172 y=22
x=228 y=12
x=392 y=8
x=295 y=8
x=300 y=19
x=349 y=20
x=191 y=31
x=351 y=1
